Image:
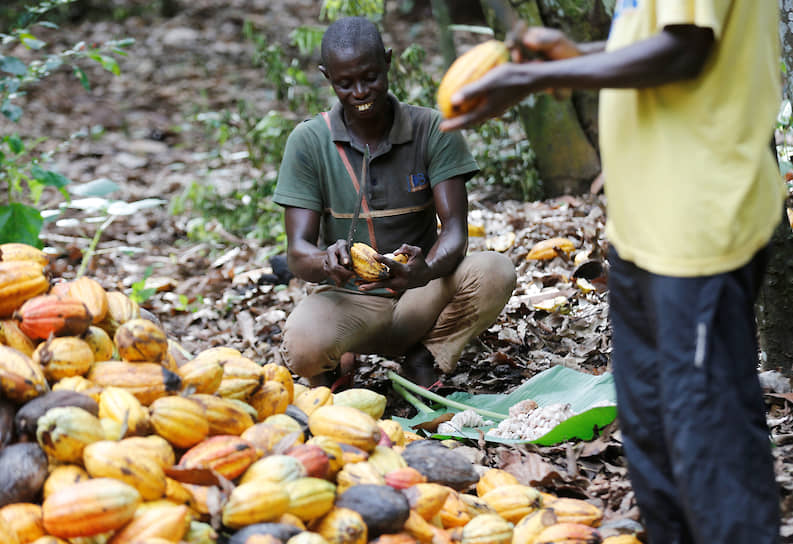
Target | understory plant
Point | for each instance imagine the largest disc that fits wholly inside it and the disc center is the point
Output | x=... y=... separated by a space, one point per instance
x=24 y=170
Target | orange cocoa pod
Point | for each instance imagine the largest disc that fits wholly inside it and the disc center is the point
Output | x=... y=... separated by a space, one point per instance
x=90 y=508
x=167 y=522
x=147 y=381
x=47 y=315
x=281 y=374
x=225 y=416
x=202 y=375
x=493 y=478
x=16 y=251
x=403 y=478
x=19 y=282
x=21 y=379
x=180 y=421
x=228 y=455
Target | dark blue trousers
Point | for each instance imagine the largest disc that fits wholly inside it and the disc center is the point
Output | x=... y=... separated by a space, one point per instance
x=690 y=404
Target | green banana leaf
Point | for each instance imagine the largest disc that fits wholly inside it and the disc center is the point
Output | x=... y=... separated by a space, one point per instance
x=593 y=399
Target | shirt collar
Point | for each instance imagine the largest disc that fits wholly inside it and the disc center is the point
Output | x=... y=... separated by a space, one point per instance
x=401 y=131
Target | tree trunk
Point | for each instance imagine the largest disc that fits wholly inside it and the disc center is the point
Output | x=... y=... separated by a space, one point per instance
x=775 y=302
x=563 y=133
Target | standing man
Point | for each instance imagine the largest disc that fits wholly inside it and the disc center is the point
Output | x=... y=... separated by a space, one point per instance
x=428 y=308
x=691 y=91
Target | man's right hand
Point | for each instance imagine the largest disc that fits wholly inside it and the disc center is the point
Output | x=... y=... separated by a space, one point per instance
x=337 y=264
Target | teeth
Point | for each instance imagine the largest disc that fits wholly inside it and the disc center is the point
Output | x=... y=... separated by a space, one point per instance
x=364 y=107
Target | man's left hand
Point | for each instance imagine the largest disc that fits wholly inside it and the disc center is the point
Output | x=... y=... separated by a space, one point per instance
x=414 y=273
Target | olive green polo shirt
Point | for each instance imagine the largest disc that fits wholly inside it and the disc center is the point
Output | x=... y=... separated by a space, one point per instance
x=398 y=206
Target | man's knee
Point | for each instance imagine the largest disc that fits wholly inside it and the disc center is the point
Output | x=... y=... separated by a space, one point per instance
x=498 y=277
x=305 y=353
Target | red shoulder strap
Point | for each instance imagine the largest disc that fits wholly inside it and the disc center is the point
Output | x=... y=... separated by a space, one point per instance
x=356 y=184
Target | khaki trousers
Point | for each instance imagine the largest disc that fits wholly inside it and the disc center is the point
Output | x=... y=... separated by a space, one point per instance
x=444 y=315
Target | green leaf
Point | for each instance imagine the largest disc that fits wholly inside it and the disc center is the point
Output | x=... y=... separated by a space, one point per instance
x=13 y=66
x=20 y=223
x=587 y=394
x=110 y=64
x=30 y=41
x=48 y=177
x=11 y=111
x=80 y=74
x=15 y=144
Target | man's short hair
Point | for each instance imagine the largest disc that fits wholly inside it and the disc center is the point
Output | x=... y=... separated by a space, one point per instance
x=351 y=32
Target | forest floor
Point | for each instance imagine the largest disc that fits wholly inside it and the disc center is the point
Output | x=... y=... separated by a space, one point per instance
x=141 y=130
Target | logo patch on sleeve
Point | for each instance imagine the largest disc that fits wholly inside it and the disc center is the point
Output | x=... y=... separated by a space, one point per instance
x=417 y=182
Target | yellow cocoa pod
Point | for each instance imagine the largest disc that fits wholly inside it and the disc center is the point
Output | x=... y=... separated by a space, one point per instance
x=427 y=499
x=287 y=423
x=493 y=478
x=122 y=406
x=365 y=400
x=65 y=431
x=147 y=381
x=120 y=309
x=365 y=265
x=63 y=357
x=108 y=459
x=225 y=416
x=529 y=528
x=266 y=436
x=241 y=377
x=24 y=520
x=358 y=473
x=21 y=379
x=513 y=502
x=568 y=532
x=570 y=510
x=550 y=248
x=394 y=431
x=179 y=420
x=454 y=512
x=79 y=384
x=281 y=374
x=467 y=68
x=621 y=539
x=12 y=336
x=269 y=399
x=16 y=251
x=311 y=399
x=201 y=375
x=342 y=526
x=100 y=343
x=487 y=529
x=153 y=446
x=19 y=282
x=163 y=521
x=386 y=460
x=276 y=469
x=307 y=537
x=310 y=498
x=87 y=290
x=254 y=502
x=140 y=340
x=63 y=476
x=200 y=533
x=346 y=425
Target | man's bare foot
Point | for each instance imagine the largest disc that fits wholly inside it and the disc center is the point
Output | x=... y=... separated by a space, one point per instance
x=419 y=366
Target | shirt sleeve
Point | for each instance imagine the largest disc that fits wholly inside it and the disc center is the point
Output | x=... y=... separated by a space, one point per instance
x=298 y=177
x=703 y=13
x=449 y=155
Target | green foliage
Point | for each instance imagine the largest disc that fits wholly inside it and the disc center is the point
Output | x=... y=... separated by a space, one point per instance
x=21 y=168
x=335 y=9
x=140 y=293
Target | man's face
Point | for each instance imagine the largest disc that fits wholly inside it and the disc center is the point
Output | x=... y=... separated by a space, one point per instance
x=359 y=77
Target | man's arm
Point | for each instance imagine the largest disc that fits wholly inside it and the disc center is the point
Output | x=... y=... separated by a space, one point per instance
x=674 y=54
x=451 y=204
x=305 y=259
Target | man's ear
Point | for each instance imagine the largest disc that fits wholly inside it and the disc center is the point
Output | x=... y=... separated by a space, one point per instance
x=324 y=70
x=388 y=53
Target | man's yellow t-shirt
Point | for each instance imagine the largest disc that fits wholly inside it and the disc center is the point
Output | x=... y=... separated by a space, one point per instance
x=692 y=185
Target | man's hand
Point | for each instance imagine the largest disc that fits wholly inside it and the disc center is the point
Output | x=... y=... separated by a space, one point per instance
x=337 y=264
x=549 y=43
x=413 y=273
